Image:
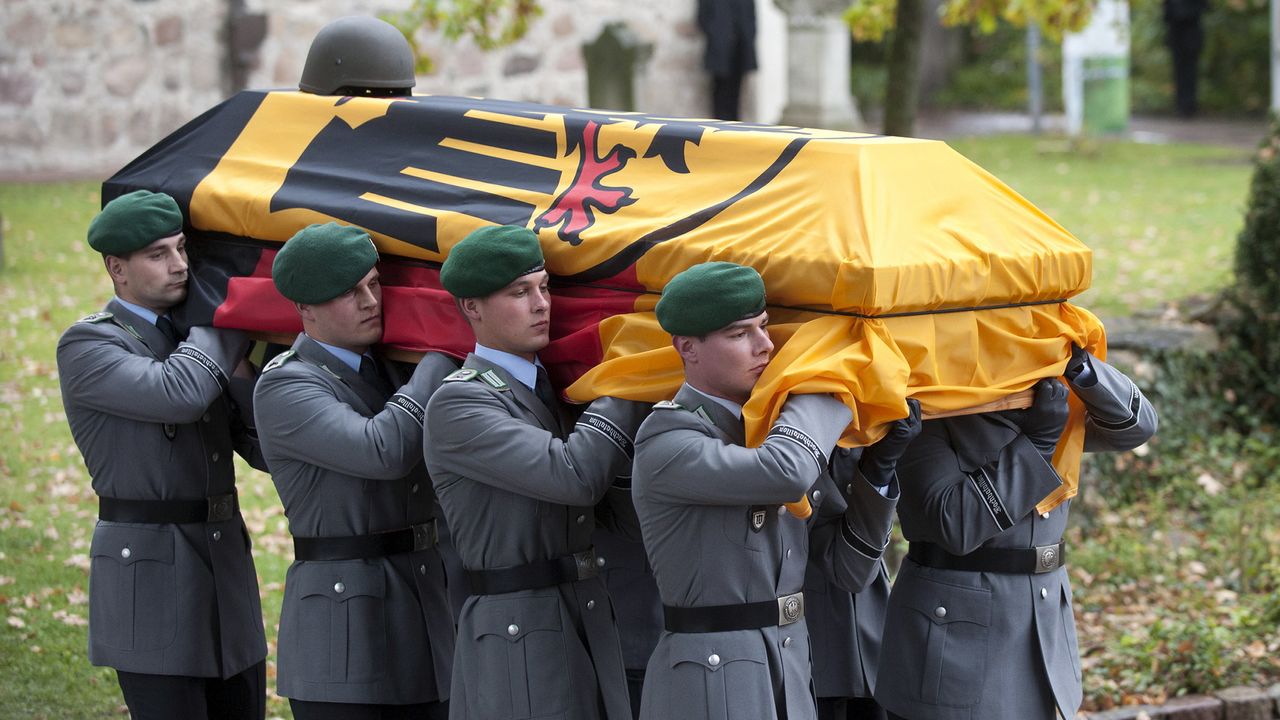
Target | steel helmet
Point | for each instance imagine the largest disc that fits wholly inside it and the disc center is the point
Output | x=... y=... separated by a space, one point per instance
x=358 y=55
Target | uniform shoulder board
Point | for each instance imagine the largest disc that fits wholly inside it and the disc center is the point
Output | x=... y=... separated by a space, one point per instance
x=279 y=360
x=97 y=317
x=492 y=379
x=461 y=375
x=668 y=405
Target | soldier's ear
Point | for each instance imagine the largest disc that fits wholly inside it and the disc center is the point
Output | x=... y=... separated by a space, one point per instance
x=686 y=346
x=470 y=308
x=115 y=268
x=305 y=312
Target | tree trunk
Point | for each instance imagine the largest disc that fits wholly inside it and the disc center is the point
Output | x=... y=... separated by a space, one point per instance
x=902 y=91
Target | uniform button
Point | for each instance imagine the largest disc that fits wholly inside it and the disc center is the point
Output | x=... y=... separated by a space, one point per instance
x=215 y=457
x=714 y=660
x=1044 y=515
x=817 y=495
x=591 y=604
x=581 y=519
x=125 y=552
x=1044 y=592
x=788 y=552
x=786 y=642
x=513 y=629
x=339 y=588
x=217 y=535
x=414 y=489
x=782 y=509
x=422 y=569
x=940 y=612
x=205 y=417
x=849 y=489
x=599 y=561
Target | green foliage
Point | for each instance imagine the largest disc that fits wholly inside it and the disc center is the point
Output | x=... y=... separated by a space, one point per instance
x=490 y=24
x=1252 y=370
x=1234 y=64
x=869 y=20
x=1183 y=599
x=992 y=72
x=1258 y=248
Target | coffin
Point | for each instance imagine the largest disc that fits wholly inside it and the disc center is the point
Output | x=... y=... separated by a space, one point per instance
x=894 y=267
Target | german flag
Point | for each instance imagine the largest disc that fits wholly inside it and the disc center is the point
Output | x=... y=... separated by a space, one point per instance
x=894 y=267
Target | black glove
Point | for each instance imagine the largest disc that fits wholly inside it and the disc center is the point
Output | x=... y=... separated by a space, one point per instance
x=1043 y=422
x=880 y=460
x=1080 y=363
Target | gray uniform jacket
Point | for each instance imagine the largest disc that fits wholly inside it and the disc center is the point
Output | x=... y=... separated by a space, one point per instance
x=844 y=627
x=518 y=487
x=634 y=592
x=346 y=461
x=154 y=422
x=717 y=533
x=962 y=645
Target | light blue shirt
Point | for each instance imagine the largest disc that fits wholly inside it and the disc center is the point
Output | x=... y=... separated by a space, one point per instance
x=519 y=368
x=144 y=313
x=352 y=359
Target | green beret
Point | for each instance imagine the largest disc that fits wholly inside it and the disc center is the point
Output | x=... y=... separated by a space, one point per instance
x=134 y=221
x=323 y=261
x=489 y=259
x=710 y=296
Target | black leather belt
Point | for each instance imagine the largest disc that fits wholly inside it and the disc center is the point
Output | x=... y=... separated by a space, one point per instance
x=1014 y=561
x=211 y=509
x=363 y=547
x=541 y=574
x=727 y=618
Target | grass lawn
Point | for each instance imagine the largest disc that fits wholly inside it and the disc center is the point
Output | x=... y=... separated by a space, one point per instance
x=50 y=279
x=1161 y=219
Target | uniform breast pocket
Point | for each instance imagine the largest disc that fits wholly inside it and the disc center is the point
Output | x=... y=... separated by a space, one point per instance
x=341 y=631
x=719 y=676
x=132 y=605
x=936 y=640
x=520 y=639
x=749 y=527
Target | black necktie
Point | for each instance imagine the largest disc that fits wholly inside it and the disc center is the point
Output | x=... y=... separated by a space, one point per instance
x=371 y=374
x=166 y=328
x=542 y=388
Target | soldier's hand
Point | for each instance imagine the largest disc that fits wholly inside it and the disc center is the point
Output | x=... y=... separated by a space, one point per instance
x=1079 y=368
x=1043 y=422
x=880 y=460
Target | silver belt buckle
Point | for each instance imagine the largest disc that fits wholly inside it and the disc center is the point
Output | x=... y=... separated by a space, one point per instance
x=586 y=562
x=425 y=536
x=221 y=507
x=1048 y=558
x=790 y=608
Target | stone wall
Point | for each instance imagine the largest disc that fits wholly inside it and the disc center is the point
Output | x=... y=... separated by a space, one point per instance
x=544 y=66
x=85 y=85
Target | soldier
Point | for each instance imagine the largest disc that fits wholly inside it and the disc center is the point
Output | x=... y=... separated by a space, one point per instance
x=173 y=595
x=365 y=628
x=518 y=481
x=729 y=559
x=980 y=622
x=636 y=603
x=845 y=627
x=361 y=56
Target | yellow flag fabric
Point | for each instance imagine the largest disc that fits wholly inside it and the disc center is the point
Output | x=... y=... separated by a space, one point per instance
x=894 y=267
